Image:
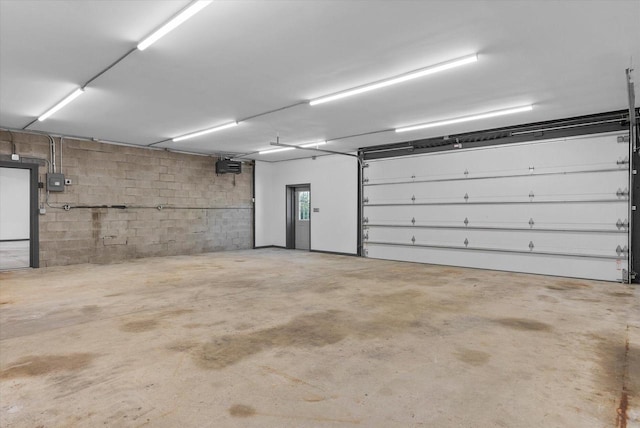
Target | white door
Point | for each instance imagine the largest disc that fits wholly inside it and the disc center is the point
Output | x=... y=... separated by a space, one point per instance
x=14 y=218
x=555 y=207
x=302 y=213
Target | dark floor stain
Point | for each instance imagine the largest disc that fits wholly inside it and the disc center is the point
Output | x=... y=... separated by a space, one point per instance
x=622 y=418
x=90 y=309
x=243 y=326
x=182 y=346
x=410 y=303
x=325 y=287
x=618 y=371
x=152 y=322
x=6 y=302
x=175 y=312
x=399 y=274
x=139 y=326
x=317 y=329
x=619 y=294
x=242 y=411
x=313 y=398
x=386 y=315
x=39 y=365
x=114 y=295
x=524 y=324
x=567 y=285
x=472 y=357
x=194 y=325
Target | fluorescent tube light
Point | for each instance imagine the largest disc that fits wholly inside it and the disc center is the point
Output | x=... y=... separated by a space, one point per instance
x=487 y=115
x=61 y=104
x=398 y=79
x=319 y=143
x=181 y=17
x=284 y=149
x=206 y=131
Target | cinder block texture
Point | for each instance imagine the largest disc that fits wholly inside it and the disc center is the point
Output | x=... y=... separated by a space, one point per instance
x=174 y=203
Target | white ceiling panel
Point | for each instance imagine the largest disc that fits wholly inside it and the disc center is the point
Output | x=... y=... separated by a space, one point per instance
x=239 y=59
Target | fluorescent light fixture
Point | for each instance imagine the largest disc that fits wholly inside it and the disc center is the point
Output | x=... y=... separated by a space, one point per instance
x=205 y=131
x=398 y=79
x=319 y=143
x=486 y=115
x=284 y=149
x=187 y=13
x=61 y=104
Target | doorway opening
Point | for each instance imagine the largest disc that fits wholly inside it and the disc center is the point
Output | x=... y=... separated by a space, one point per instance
x=18 y=215
x=299 y=216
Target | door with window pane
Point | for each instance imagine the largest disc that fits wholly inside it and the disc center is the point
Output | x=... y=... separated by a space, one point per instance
x=302 y=214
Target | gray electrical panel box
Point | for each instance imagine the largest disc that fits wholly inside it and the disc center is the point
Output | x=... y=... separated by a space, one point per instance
x=55 y=182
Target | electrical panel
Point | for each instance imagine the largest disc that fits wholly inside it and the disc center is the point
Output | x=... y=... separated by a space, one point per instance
x=55 y=182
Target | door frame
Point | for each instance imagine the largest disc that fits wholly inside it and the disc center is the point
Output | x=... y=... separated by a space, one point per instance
x=290 y=191
x=34 y=235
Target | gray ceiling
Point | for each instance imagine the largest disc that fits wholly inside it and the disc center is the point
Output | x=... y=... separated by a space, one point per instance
x=237 y=59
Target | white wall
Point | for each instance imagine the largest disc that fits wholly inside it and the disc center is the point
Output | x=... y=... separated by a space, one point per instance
x=14 y=203
x=334 y=190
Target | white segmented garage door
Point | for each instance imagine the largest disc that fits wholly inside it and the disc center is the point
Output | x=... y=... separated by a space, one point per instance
x=554 y=207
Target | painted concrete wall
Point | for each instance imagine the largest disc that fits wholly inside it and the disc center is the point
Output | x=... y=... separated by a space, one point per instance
x=202 y=212
x=334 y=190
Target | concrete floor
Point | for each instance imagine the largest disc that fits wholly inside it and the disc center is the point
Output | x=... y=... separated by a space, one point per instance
x=14 y=254
x=276 y=338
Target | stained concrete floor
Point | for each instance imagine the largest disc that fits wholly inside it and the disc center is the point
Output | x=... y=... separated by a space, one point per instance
x=276 y=338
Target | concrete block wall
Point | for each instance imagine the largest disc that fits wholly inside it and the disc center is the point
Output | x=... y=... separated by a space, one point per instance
x=201 y=212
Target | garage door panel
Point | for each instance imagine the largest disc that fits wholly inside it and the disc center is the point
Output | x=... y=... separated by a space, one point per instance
x=564 y=198
x=552 y=156
x=598 y=244
x=600 y=269
x=570 y=216
x=586 y=186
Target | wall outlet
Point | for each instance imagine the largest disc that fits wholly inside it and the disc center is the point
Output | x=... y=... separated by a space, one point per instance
x=43 y=211
x=67 y=182
x=15 y=157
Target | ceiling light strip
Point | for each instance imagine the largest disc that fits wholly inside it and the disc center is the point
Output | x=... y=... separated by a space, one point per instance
x=398 y=79
x=480 y=116
x=75 y=94
x=181 y=17
x=205 y=131
x=284 y=149
x=319 y=143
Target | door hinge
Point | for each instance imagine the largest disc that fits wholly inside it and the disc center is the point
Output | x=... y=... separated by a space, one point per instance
x=622 y=193
x=622 y=224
